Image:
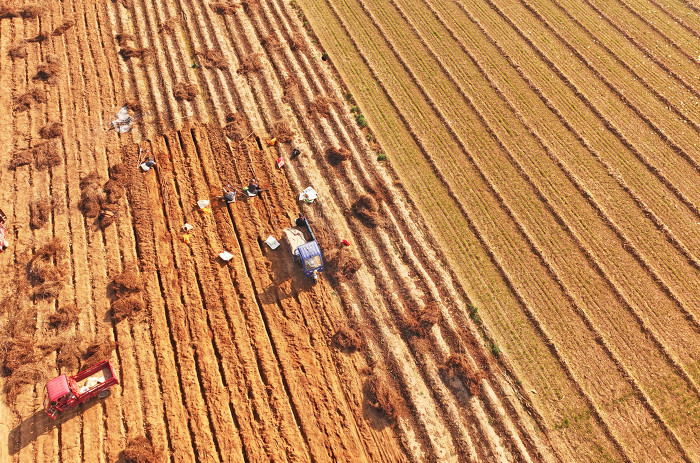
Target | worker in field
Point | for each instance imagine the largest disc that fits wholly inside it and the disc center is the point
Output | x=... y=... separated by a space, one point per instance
x=229 y=195
x=253 y=188
x=300 y=221
x=148 y=164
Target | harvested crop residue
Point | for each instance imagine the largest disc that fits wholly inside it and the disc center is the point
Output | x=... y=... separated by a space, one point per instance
x=185 y=91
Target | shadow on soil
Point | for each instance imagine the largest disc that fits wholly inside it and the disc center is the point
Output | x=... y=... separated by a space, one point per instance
x=39 y=423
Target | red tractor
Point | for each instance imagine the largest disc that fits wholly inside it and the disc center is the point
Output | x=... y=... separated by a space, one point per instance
x=64 y=392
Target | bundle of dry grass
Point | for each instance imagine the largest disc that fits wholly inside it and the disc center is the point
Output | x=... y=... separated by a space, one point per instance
x=251 y=63
x=185 y=91
x=271 y=42
x=24 y=101
x=235 y=127
x=18 y=51
x=48 y=290
x=25 y=375
x=30 y=11
x=134 y=106
x=40 y=212
x=296 y=42
x=40 y=37
x=46 y=155
x=60 y=30
x=424 y=320
x=322 y=105
x=8 y=12
x=336 y=156
x=367 y=210
x=457 y=367
x=347 y=339
x=127 y=288
x=340 y=264
x=127 y=52
x=98 y=351
x=211 y=59
x=64 y=317
x=43 y=266
x=383 y=397
x=282 y=131
x=167 y=27
x=250 y=5
x=140 y=450
x=51 y=130
x=15 y=352
x=124 y=39
x=92 y=199
x=49 y=70
x=223 y=8
x=68 y=355
x=20 y=158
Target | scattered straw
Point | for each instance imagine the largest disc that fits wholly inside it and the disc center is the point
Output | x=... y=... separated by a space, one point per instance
x=223 y=8
x=367 y=210
x=212 y=59
x=99 y=351
x=383 y=397
x=46 y=155
x=60 y=30
x=40 y=212
x=51 y=130
x=185 y=91
x=64 y=317
x=251 y=63
x=458 y=367
x=347 y=339
x=140 y=450
x=335 y=156
x=18 y=51
x=282 y=131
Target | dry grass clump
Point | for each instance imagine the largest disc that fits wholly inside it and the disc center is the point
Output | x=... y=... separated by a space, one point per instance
x=20 y=158
x=48 y=70
x=97 y=352
x=42 y=267
x=8 y=12
x=18 y=51
x=185 y=91
x=64 y=316
x=140 y=450
x=383 y=397
x=29 y=11
x=347 y=339
x=366 y=209
x=91 y=198
x=60 y=30
x=48 y=290
x=24 y=101
x=424 y=320
x=40 y=37
x=251 y=63
x=40 y=212
x=127 y=52
x=167 y=27
x=25 y=375
x=235 y=126
x=335 y=156
x=123 y=39
x=456 y=367
x=134 y=106
x=223 y=8
x=322 y=105
x=115 y=187
x=250 y=5
x=15 y=352
x=296 y=42
x=68 y=355
x=51 y=130
x=211 y=59
x=127 y=288
x=282 y=131
x=271 y=42
x=340 y=264
x=46 y=155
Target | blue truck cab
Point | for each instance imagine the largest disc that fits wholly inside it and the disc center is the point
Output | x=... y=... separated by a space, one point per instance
x=305 y=249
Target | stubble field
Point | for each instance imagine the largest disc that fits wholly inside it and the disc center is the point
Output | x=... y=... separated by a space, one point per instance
x=522 y=281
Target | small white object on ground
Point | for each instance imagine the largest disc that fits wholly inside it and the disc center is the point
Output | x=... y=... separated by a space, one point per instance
x=308 y=195
x=203 y=203
x=272 y=242
x=187 y=227
x=123 y=122
x=226 y=256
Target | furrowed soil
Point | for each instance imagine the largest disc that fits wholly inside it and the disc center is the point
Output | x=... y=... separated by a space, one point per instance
x=509 y=211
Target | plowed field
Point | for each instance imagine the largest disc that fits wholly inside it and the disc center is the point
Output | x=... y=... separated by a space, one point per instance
x=522 y=275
